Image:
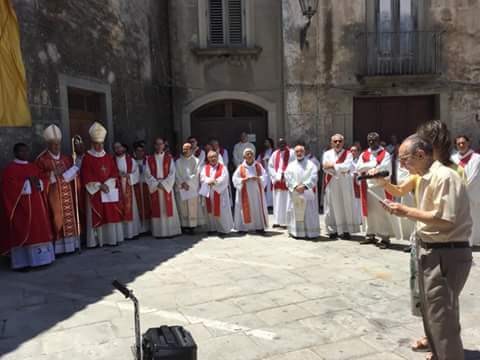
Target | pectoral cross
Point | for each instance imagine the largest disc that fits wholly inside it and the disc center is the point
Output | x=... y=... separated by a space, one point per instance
x=103 y=169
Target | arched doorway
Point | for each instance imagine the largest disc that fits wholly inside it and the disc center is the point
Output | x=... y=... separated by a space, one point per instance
x=226 y=119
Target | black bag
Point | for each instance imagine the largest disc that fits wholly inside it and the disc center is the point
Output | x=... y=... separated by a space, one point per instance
x=168 y=343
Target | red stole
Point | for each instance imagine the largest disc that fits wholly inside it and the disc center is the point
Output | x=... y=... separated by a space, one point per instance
x=126 y=191
x=281 y=185
x=26 y=215
x=464 y=162
x=363 y=185
x=328 y=177
x=247 y=218
x=154 y=198
x=216 y=196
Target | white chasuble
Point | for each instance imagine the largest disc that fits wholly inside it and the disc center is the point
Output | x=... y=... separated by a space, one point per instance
x=277 y=165
x=339 y=197
x=187 y=172
x=470 y=162
x=218 y=206
x=250 y=201
x=302 y=216
x=165 y=220
x=377 y=220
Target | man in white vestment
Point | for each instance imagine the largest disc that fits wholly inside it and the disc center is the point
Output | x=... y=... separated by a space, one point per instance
x=339 y=198
x=276 y=169
x=129 y=177
x=103 y=211
x=197 y=150
x=186 y=186
x=378 y=222
x=222 y=152
x=263 y=159
x=470 y=162
x=160 y=177
x=250 y=179
x=301 y=178
x=240 y=147
x=214 y=181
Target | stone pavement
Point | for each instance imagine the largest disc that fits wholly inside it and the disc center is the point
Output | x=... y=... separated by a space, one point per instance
x=243 y=298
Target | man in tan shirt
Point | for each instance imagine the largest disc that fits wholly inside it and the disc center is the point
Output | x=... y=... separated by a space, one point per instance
x=443 y=228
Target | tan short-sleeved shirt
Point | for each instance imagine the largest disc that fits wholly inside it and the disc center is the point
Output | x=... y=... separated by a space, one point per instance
x=442 y=191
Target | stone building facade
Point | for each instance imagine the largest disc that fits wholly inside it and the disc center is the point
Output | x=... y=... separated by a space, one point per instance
x=214 y=68
x=94 y=60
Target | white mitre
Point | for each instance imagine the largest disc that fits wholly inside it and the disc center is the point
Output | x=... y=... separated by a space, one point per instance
x=52 y=133
x=97 y=133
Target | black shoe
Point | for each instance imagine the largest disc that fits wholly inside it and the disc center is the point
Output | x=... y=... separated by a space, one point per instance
x=260 y=232
x=407 y=249
x=211 y=233
x=369 y=239
x=276 y=226
x=333 y=236
x=383 y=244
x=346 y=236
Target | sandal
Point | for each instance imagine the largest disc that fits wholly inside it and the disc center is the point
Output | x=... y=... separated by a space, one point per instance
x=421 y=345
x=430 y=356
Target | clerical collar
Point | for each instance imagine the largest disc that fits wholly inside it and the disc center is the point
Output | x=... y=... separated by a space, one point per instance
x=300 y=160
x=55 y=157
x=375 y=151
x=18 y=161
x=466 y=154
x=97 y=154
x=160 y=154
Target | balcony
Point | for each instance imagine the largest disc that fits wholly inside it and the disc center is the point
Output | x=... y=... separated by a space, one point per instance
x=399 y=53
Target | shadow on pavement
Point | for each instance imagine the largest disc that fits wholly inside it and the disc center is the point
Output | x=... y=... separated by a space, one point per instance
x=472 y=355
x=34 y=301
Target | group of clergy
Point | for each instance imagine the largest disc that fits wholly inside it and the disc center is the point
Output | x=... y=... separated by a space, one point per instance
x=47 y=205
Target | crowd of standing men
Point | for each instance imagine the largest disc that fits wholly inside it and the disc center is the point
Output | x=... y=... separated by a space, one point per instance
x=418 y=190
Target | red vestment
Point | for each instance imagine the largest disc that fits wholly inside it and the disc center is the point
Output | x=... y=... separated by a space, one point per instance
x=27 y=215
x=98 y=170
x=126 y=190
x=154 y=198
x=142 y=194
x=60 y=196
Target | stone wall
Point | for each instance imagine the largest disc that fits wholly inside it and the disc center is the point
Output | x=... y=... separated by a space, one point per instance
x=321 y=80
x=120 y=43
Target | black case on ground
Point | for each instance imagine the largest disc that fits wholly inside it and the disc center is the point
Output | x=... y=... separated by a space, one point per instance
x=168 y=343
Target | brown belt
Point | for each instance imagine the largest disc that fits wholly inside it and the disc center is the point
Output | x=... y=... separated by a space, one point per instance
x=447 y=245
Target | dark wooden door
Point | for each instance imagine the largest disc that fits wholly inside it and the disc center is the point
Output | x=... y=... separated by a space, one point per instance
x=84 y=108
x=226 y=120
x=389 y=116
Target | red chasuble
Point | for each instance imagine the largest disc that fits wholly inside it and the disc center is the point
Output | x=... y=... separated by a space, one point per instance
x=100 y=169
x=60 y=196
x=29 y=223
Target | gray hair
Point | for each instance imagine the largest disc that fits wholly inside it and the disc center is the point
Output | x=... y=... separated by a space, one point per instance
x=415 y=142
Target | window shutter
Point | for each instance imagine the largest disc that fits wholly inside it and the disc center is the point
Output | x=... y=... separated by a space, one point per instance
x=235 y=22
x=216 y=23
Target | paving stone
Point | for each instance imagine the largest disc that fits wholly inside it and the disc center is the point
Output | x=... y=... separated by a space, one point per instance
x=283 y=314
x=297 y=355
x=343 y=350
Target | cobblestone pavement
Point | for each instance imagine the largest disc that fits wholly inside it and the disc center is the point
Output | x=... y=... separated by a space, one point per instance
x=248 y=297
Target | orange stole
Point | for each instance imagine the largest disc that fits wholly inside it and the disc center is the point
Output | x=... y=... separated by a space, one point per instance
x=59 y=196
x=247 y=218
x=216 y=196
x=154 y=198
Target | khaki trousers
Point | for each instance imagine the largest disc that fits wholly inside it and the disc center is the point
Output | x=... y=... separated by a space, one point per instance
x=442 y=273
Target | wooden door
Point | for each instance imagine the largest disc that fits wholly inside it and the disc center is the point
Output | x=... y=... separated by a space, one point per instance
x=389 y=116
x=84 y=109
x=226 y=120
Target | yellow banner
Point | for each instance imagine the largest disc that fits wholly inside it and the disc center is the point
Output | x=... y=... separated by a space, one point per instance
x=14 y=109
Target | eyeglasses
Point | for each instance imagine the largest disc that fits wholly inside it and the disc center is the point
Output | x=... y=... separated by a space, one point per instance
x=337 y=141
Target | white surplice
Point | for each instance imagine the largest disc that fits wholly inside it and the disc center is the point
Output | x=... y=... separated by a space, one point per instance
x=256 y=198
x=134 y=227
x=163 y=226
x=378 y=221
x=280 y=197
x=223 y=223
x=339 y=197
x=238 y=150
x=472 y=180
x=407 y=225
x=302 y=216
x=263 y=158
x=187 y=172
x=109 y=234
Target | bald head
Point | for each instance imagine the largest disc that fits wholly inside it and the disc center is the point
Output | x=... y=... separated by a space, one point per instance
x=187 y=149
x=300 y=152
